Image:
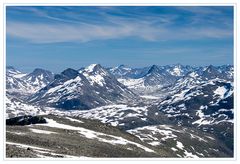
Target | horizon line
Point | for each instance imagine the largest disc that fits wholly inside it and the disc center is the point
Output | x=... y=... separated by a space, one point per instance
x=108 y=67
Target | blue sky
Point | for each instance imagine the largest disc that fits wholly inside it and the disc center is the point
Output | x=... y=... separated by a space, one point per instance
x=58 y=37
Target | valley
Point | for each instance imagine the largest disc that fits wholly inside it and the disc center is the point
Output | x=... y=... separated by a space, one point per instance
x=172 y=111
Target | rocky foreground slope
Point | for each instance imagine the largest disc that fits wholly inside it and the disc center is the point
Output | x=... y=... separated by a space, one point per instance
x=71 y=137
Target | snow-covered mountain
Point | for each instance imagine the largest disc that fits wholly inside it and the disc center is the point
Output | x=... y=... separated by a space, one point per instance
x=94 y=86
x=39 y=78
x=11 y=71
x=154 y=79
x=120 y=71
x=125 y=72
x=187 y=111
x=158 y=77
x=221 y=72
x=178 y=69
x=17 y=107
x=206 y=103
x=23 y=85
x=149 y=80
x=194 y=101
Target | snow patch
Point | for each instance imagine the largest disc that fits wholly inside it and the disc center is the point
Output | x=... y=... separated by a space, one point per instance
x=42 y=131
x=220 y=91
x=180 y=145
x=94 y=135
x=90 y=68
x=74 y=120
x=150 y=97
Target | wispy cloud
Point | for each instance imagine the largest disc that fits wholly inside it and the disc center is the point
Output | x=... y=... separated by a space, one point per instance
x=86 y=24
x=52 y=33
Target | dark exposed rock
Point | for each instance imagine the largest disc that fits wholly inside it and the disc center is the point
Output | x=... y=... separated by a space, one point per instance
x=26 y=120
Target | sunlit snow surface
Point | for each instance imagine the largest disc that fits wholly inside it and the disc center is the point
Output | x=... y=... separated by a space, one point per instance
x=16 y=107
x=41 y=131
x=112 y=114
x=111 y=139
x=188 y=89
x=23 y=83
x=159 y=135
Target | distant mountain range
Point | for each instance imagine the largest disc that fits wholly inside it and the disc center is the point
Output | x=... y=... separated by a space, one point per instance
x=139 y=101
x=26 y=84
x=89 y=88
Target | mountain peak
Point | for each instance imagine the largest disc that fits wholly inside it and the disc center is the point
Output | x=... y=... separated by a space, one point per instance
x=122 y=66
x=39 y=71
x=211 y=69
x=70 y=73
x=153 y=68
x=93 y=67
x=11 y=70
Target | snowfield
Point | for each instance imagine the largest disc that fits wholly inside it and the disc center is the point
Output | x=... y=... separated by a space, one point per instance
x=94 y=135
x=113 y=114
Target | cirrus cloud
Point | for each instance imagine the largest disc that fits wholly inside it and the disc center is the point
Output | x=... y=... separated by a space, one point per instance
x=54 y=33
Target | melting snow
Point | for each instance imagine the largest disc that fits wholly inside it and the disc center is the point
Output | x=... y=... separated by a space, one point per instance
x=94 y=135
x=179 y=145
x=132 y=83
x=74 y=120
x=111 y=113
x=17 y=108
x=165 y=131
x=17 y=133
x=154 y=143
x=190 y=155
x=19 y=75
x=42 y=131
x=174 y=149
x=150 y=97
x=220 y=91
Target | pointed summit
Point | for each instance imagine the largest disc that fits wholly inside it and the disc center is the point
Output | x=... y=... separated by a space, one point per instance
x=67 y=74
x=40 y=71
x=92 y=87
x=121 y=66
x=39 y=78
x=211 y=70
x=153 y=68
x=70 y=73
x=93 y=67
